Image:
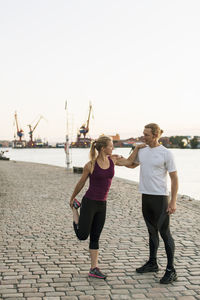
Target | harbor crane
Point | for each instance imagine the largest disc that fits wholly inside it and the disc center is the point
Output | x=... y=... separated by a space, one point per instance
x=84 y=129
x=31 y=130
x=20 y=132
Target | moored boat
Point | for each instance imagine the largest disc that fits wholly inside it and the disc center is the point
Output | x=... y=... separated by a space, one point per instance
x=2 y=157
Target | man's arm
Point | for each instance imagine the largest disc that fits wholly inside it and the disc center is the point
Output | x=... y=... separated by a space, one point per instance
x=174 y=189
x=134 y=165
x=129 y=162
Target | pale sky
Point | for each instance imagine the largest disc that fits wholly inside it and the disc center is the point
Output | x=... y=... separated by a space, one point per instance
x=138 y=61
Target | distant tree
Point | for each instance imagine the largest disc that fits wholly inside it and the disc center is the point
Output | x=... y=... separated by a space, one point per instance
x=173 y=140
x=179 y=141
x=194 y=143
x=182 y=144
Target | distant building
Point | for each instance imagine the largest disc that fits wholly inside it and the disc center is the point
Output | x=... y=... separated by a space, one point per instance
x=60 y=145
x=198 y=140
x=5 y=144
x=115 y=137
x=117 y=142
x=197 y=137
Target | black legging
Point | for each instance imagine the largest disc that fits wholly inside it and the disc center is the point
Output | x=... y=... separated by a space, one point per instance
x=91 y=221
x=157 y=219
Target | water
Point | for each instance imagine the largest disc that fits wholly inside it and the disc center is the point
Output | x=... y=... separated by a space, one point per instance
x=187 y=161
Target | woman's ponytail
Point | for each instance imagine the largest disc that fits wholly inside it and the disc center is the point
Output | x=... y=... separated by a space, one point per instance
x=93 y=153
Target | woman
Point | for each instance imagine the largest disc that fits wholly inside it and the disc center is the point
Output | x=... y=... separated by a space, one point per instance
x=100 y=170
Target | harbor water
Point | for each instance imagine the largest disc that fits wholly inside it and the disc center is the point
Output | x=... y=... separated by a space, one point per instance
x=187 y=161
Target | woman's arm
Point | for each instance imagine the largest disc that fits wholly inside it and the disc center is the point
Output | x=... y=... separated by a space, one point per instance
x=81 y=182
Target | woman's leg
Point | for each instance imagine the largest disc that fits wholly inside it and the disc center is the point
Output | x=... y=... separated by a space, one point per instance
x=94 y=253
x=96 y=229
x=75 y=215
x=83 y=226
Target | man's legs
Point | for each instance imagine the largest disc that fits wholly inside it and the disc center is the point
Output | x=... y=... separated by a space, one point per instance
x=157 y=219
x=150 y=220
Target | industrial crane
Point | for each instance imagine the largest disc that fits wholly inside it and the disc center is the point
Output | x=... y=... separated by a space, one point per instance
x=31 y=130
x=20 y=132
x=84 y=129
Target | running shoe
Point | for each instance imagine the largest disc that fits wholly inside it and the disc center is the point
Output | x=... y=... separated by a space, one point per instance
x=96 y=273
x=169 y=276
x=76 y=204
x=148 y=267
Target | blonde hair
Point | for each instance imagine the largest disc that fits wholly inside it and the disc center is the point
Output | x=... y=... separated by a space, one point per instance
x=156 y=131
x=97 y=145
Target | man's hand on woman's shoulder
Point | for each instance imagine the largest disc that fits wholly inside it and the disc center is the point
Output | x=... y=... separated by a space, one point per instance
x=140 y=146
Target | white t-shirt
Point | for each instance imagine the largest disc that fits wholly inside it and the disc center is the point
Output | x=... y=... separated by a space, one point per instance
x=154 y=165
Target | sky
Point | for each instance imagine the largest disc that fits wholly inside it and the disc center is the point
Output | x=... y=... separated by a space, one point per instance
x=137 y=61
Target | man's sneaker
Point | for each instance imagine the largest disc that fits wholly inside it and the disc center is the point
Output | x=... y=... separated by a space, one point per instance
x=148 y=267
x=76 y=204
x=96 y=273
x=169 y=276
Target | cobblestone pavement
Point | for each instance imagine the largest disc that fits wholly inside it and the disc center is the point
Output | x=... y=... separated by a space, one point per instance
x=40 y=257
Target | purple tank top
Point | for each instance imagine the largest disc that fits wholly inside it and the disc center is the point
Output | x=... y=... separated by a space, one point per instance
x=100 y=182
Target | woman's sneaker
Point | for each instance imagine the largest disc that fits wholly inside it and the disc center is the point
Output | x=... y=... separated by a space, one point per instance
x=96 y=273
x=76 y=204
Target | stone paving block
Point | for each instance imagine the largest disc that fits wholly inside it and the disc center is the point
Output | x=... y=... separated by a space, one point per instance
x=55 y=294
x=188 y=293
x=103 y=297
x=186 y=298
x=106 y=287
x=8 y=291
x=14 y=295
x=16 y=298
x=170 y=294
x=28 y=290
x=51 y=298
x=119 y=291
x=176 y=288
x=33 y=298
x=74 y=293
x=98 y=292
x=155 y=295
x=121 y=297
x=86 y=297
x=61 y=279
x=84 y=288
x=86 y=283
x=38 y=295
x=46 y=289
x=69 y=298
x=138 y=296
x=2 y=287
x=59 y=284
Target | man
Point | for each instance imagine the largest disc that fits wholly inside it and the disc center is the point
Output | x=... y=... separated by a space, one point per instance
x=155 y=163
